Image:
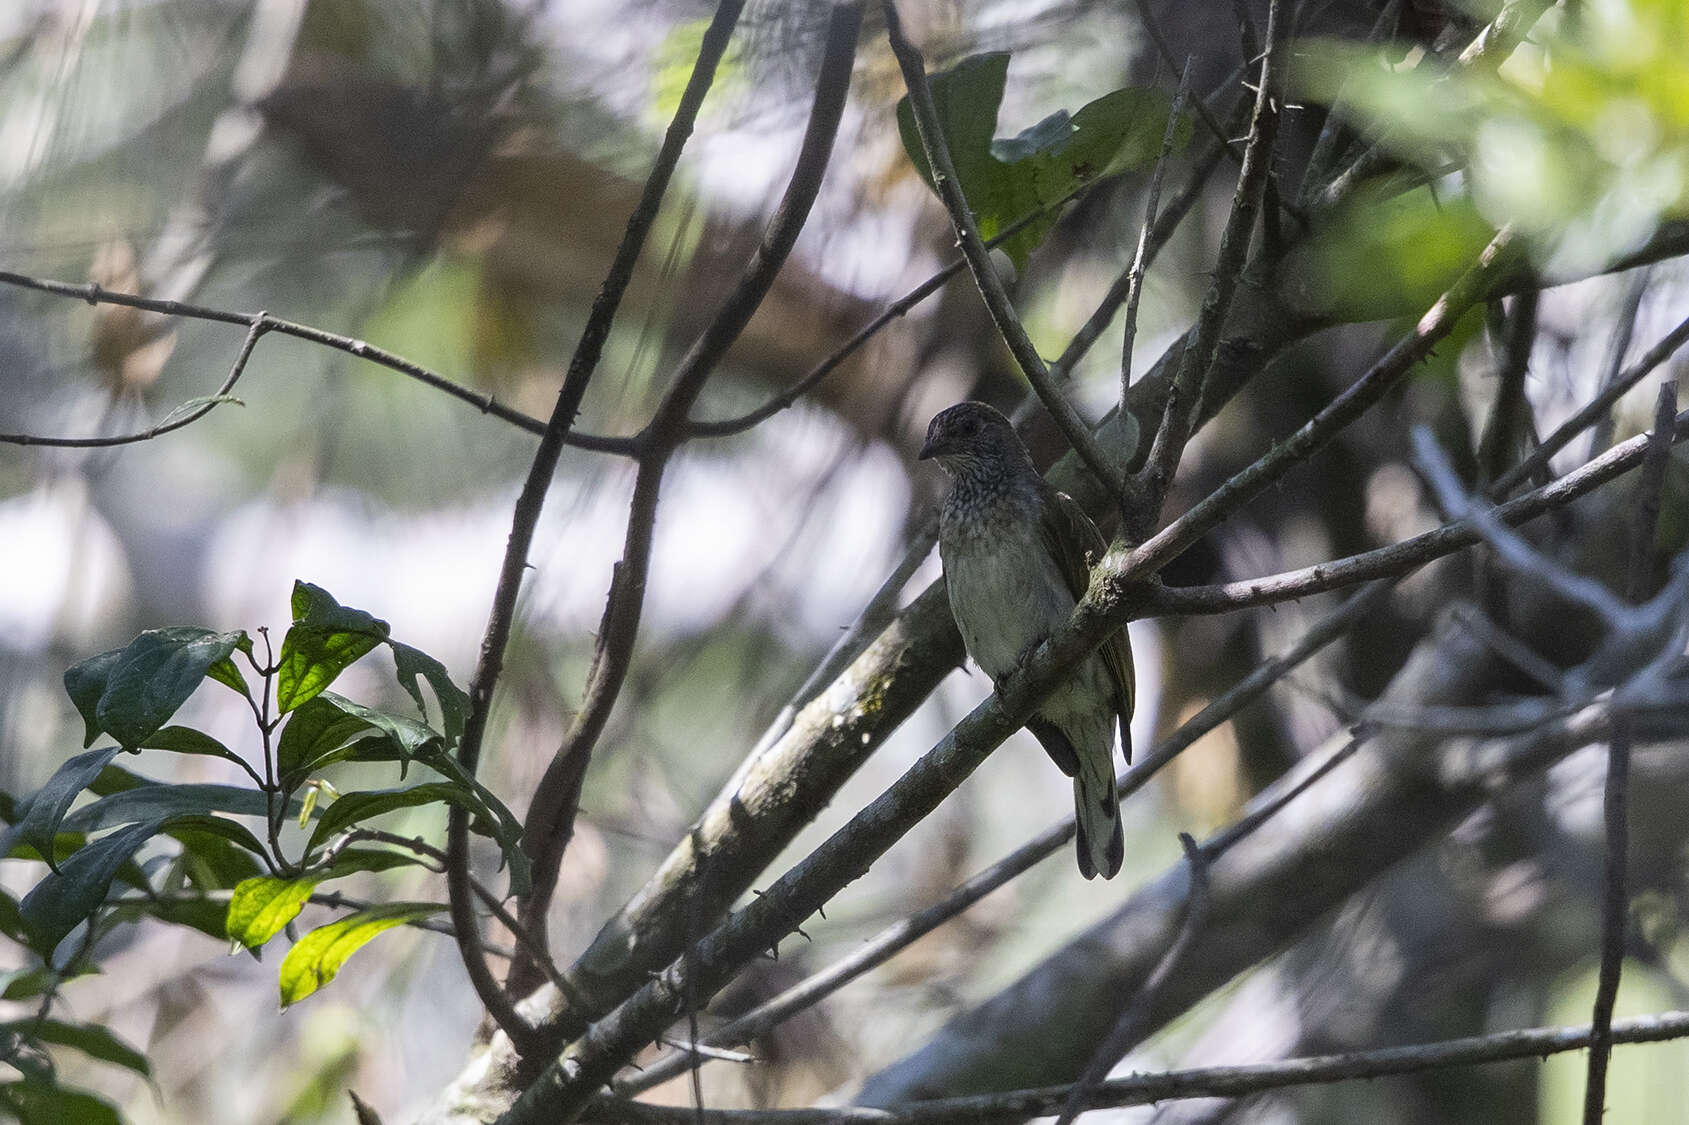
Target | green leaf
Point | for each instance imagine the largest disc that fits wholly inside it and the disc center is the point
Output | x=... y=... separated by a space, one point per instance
x=1005 y=180
x=227 y=672
x=85 y=683
x=202 y=914
x=118 y=779
x=186 y=740
x=43 y=1103
x=26 y=984
x=412 y=663
x=332 y=728
x=1385 y=253
x=326 y=638
x=355 y=808
x=262 y=906
x=92 y=1040
x=66 y=898
x=40 y=823
x=499 y=821
x=217 y=852
x=11 y=924
x=352 y=861
x=318 y=956
x=159 y=802
x=313 y=733
x=131 y=693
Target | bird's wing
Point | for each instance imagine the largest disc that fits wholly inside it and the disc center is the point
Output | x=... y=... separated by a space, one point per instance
x=1076 y=544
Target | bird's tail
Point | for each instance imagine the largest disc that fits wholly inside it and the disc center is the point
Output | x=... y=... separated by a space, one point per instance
x=1096 y=808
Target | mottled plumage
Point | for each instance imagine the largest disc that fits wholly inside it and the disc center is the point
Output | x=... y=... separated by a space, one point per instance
x=1017 y=557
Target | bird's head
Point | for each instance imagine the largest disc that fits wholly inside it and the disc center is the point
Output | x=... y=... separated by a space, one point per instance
x=973 y=439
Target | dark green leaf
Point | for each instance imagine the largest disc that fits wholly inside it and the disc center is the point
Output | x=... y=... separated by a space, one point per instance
x=186 y=740
x=158 y=802
x=495 y=819
x=1007 y=179
x=65 y=898
x=217 y=853
x=27 y=984
x=412 y=663
x=92 y=1040
x=196 y=913
x=85 y=683
x=41 y=819
x=313 y=732
x=332 y=728
x=318 y=956
x=967 y=97
x=10 y=923
x=131 y=694
x=262 y=906
x=64 y=845
x=118 y=779
x=355 y=808
x=36 y=1102
x=352 y=861
x=326 y=638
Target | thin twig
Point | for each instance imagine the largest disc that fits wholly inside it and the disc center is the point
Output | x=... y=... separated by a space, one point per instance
x=1325 y=147
x=1615 y=802
x=1171 y=216
x=1510 y=548
x=1594 y=410
x=1437 y=323
x=1140 y=256
x=1003 y=315
x=95 y=294
x=1153 y=26
x=1500 y=439
x=1601 y=434
x=551 y=810
x=259 y=324
x=1178 y=419
x=1201 y=1082
x=1487 y=51
x=1128 y=1030
x=1399 y=558
x=725 y=427
x=525 y=519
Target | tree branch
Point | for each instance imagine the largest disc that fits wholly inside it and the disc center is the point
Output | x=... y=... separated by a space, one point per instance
x=949 y=187
x=532 y=499
x=1615 y=802
x=905 y=932
x=1141 y=255
x=1175 y=1085
x=1129 y=1028
x=1409 y=554
x=545 y=834
x=1178 y=419
x=260 y=324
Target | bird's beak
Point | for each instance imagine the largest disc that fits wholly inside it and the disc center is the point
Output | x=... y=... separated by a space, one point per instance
x=929 y=450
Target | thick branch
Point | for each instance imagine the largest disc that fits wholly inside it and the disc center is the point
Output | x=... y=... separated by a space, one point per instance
x=1400 y=791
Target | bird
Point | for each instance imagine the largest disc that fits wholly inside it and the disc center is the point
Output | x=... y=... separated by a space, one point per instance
x=1017 y=557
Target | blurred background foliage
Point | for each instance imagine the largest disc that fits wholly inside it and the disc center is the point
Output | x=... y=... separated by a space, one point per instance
x=448 y=179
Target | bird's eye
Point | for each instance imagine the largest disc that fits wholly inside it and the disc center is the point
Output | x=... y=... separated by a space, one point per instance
x=969 y=426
